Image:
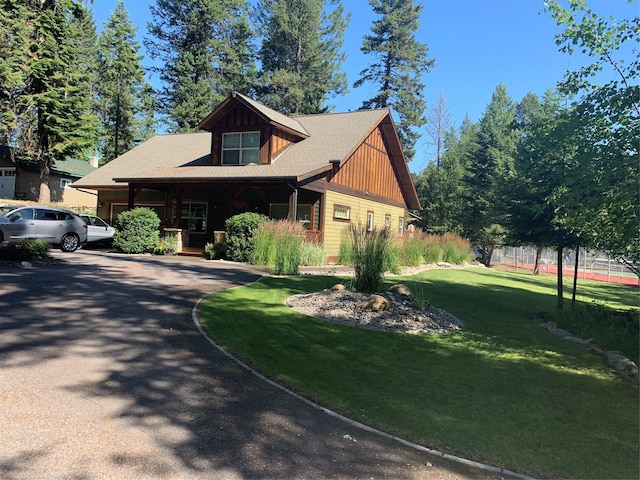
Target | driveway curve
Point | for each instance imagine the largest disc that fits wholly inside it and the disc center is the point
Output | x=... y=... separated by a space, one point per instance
x=103 y=375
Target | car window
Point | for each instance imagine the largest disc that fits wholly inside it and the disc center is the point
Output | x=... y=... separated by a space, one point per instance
x=66 y=216
x=46 y=215
x=98 y=222
x=23 y=213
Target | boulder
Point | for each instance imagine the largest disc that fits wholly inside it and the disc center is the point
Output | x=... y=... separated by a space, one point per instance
x=560 y=332
x=375 y=303
x=338 y=286
x=400 y=289
x=621 y=363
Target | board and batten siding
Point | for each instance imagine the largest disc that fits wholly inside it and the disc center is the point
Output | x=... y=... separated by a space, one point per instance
x=359 y=207
x=370 y=170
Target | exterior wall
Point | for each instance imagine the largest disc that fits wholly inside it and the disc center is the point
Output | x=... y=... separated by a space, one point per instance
x=370 y=170
x=334 y=228
x=27 y=186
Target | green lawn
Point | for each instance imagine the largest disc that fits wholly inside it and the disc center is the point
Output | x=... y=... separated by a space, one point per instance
x=503 y=391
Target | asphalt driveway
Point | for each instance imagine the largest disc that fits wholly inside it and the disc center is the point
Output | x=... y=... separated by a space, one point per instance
x=103 y=375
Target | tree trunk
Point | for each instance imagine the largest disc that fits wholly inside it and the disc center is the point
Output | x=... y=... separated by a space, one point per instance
x=560 y=298
x=44 y=194
x=536 y=264
x=575 y=276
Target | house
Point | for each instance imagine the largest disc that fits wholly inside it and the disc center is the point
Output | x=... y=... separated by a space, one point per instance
x=20 y=179
x=323 y=170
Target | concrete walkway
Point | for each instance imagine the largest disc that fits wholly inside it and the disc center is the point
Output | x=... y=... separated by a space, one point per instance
x=103 y=375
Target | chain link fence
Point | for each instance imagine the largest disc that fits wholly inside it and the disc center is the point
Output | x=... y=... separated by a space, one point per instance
x=592 y=265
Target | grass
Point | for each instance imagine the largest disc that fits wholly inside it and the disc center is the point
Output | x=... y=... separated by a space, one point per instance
x=503 y=391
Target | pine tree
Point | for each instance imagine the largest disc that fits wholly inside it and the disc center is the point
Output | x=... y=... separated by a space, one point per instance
x=399 y=62
x=125 y=103
x=301 y=54
x=206 y=53
x=485 y=215
x=48 y=98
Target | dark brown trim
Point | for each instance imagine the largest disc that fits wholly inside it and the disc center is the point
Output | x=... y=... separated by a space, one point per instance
x=367 y=196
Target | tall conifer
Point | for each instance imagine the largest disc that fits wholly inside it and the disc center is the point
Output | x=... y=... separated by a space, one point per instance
x=124 y=103
x=204 y=51
x=398 y=64
x=48 y=98
x=301 y=54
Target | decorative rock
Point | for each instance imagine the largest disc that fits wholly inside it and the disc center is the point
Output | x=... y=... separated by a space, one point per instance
x=571 y=338
x=560 y=332
x=338 y=286
x=621 y=363
x=400 y=289
x=374 y=302
x=26 y=264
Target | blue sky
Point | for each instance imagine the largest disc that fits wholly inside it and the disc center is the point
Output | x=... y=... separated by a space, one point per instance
x=476 y=45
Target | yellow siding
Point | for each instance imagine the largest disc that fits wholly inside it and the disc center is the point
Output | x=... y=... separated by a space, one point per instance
x=333 y=229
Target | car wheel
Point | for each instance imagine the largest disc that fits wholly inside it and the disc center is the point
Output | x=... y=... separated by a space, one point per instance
x=69 y=243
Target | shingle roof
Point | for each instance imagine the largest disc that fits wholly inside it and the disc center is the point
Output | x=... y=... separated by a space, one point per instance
x=186 y=156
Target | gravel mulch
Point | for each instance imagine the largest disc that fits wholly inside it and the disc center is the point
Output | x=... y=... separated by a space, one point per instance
x=341 y=306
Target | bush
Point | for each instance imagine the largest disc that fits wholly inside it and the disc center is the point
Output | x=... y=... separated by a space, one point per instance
x=239 y=243
x=167 y=245
x=279 y=245
x=369 y=250
x=345 y=252
x=137 y=231
x=214 y=250
x=411 y=250
x=312 y=254
x=456 y=249
x=27 y=249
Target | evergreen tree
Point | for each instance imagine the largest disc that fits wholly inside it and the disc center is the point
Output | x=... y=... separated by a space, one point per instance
x=399 y=61
x=441 y=188
x=48 y=96
x=489 y=168
x=125 y=102
x=300 y=54
x=205 y=50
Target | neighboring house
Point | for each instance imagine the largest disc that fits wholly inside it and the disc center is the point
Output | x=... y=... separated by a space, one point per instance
x=325 y=171
x=20 y=180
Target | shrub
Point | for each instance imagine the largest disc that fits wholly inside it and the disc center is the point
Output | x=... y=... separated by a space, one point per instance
x=239 y=241
x=411 y=248
x=26 y=249
x=279 y=245
x=456 y=249
x=345 y=252
x=214 y=250
x=433 y=252
x=312 y=254
x=167 y=245
x=137 y=231
x=368 y=257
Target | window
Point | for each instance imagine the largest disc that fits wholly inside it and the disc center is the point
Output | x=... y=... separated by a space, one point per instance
x=9 y=173
x=280 y=211
x=369 y=220
x=194 y=217
x=387 y=221
x=65 y=182
x=341 y=212
x=240 y=148
x=400 y=226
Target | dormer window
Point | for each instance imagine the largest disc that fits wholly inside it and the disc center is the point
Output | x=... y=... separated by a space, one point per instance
x=240 y=148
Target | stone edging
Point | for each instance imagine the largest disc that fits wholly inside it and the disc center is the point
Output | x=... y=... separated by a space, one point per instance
x=453 y=458
x=623 y=366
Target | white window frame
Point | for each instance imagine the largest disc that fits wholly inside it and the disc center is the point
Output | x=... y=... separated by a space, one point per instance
x=239 y=149
x=341 y=212
x=65 y=182
x=401 y=226
x=370 y=220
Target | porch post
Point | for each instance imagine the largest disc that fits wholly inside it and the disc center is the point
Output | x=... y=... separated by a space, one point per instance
x=293 y=204
x=132 y=196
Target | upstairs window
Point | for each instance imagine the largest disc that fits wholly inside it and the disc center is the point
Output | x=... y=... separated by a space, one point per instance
x=240 y=148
